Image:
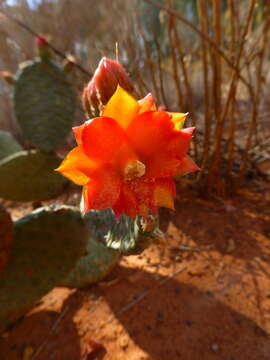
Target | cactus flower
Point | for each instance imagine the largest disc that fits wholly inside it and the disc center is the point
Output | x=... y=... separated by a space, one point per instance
x=126 y=159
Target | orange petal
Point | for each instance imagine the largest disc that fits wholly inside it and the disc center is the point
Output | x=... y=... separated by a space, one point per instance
x=77 y=131
x=187 y=165
x=146 y=104
x=189 y=130
x=178 y=119
x=137 y=197
x=149 y=132
x=103 y=190
x=122 y=107
x=163 y=165
x=164 y=193
x=144 y=193
x=126 y=204
x=179 y=142
x=119 y=207
x=143 y=210
x=77 y=166
x=101 y=139
x=125 y=155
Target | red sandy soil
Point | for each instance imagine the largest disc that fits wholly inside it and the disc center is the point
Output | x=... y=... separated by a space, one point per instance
x=203 y=295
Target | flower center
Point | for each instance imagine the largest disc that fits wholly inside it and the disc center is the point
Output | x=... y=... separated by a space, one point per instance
x=134 y=169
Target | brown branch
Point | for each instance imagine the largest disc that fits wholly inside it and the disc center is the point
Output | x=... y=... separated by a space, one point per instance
x=218 y=50
x=252 y=122
x=149 y=62
x=207 y=116
x=176 y=49
x=160 y=73
x=214 y=170
x=232 y=118
x=217 y=65
x=173 y=45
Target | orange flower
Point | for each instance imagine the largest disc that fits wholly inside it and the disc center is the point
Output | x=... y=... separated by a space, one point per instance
x=126 y=158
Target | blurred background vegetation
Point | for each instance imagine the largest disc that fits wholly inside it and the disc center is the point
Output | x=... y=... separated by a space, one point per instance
x=207 y=57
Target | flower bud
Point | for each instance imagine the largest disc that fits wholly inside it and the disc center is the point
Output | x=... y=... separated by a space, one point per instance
x=92 y=94
x=107 y=77
x=41 y=41
x=43 y=47
x=85 y=102
x=90 y=101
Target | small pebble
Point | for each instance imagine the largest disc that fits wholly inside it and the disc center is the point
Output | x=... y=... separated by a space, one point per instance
x=123 y=342
x=215 y=347
x=231 y=246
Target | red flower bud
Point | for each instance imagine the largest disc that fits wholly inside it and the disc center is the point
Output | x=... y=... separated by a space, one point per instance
x=92 y=94
x=41 y=41
x=85 y=102
x=43 y=47
x=103 y=85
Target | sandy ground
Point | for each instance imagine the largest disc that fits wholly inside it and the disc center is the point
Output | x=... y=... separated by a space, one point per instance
x=204 y=295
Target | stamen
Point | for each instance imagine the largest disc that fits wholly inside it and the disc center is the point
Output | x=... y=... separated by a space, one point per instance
x=134 y=169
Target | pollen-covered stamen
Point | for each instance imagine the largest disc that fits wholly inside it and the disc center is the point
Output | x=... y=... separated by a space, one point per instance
x=134 y=169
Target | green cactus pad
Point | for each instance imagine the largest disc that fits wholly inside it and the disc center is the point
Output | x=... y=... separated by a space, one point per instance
x=6 y=238
x=44 y=104
x=30 y=176
x=99 y=260
x=108 y=240
x=126 y=235
x=8 y=145
x=47 y=244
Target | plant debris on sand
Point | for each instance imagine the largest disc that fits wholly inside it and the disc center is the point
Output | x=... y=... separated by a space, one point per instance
x=204 y=294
